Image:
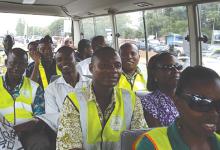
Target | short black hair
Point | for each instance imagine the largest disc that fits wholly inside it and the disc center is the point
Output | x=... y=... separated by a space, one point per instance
x=18 y=51
x=32 y=43
x=127 y=45
x=84 y=43
x=104 y=52
x=65 y=49
x=196 y=73
x=46 y=39
x=97 y=41
x=151 y=67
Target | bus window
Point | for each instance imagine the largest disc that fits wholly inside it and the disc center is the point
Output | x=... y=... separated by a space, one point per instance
x=210 y=26
x=103 y=26
x=166 y=29
x=87 y=28
x=131 y=29
x=26 y=28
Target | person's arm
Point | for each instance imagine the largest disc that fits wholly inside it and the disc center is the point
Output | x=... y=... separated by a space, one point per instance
x=69 y=134
x=137 y=120
x=35 y=73
x=50 y=99
x=39 y=102
x=151 y=121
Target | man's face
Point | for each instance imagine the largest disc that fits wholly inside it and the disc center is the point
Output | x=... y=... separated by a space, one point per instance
x=46 y=51
x=106 y=70
x=66 y=63
x=130 y=58
x=16 y=65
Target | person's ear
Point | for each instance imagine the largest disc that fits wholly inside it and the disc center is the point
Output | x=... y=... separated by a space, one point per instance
x=91 y=67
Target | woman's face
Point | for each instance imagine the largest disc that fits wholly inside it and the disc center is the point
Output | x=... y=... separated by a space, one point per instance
x=200 y=113
x=167 y=72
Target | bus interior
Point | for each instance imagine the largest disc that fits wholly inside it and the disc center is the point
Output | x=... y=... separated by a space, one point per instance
x=190 y=29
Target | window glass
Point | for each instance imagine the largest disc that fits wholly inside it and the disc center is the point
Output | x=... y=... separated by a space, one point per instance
x=88 y=28
x=103 y=26
x=26 y=28
x=166 y=31
x=210 y=26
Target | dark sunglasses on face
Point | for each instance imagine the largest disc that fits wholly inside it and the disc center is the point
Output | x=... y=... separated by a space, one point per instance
x=170 y=67
x=201 y=103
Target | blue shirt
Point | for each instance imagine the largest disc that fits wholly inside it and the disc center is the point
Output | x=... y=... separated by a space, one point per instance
x=38 y=107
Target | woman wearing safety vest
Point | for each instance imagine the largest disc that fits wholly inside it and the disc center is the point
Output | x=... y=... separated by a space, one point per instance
x=198 y=100
x=131 y=78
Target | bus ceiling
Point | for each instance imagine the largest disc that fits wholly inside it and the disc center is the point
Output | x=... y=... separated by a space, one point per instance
x=85 y=8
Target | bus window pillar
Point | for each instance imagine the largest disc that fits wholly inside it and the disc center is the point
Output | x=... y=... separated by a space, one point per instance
x=194 y=34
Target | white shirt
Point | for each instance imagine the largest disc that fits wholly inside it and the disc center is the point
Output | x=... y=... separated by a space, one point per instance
x=56 y=92
x=54 y=96
x=83 y=67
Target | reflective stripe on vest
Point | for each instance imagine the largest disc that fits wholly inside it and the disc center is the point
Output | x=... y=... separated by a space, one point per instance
x=95 y=137
x=159 y=138
x=139 y=83
x=44 y=76
x=18 y=110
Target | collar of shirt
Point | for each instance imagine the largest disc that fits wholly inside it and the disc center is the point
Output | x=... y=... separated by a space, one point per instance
x=131 y=78
x=14 y=92
x=103 y=117
x=79 y=84
x=178 y=143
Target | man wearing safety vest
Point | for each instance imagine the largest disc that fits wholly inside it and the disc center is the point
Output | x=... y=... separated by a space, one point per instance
x=21 y=100
x=131 y=78
x=94 y=117
x=44 y=65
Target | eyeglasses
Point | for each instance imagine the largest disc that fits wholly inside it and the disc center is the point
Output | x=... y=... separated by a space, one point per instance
x=170 y=67
x=201 y=103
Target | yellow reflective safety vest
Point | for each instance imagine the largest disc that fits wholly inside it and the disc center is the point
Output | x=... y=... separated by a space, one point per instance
x=139 y=83
x=44 y=76
x=159 y=138
x=17 y=110
x=98 y=136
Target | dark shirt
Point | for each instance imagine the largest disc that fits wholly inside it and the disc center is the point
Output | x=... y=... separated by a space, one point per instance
x=49 y=72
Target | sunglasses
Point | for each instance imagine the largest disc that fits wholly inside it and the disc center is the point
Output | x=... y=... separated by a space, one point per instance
x=171 y=67
x=201 y=103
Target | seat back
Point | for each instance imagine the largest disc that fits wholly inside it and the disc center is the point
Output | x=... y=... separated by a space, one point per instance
x=128 y=137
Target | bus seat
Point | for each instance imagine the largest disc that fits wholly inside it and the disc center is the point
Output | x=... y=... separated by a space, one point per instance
x=129 y=136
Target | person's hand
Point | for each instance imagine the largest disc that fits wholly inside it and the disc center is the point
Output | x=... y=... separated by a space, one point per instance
x=35 y=55
x=26 y=125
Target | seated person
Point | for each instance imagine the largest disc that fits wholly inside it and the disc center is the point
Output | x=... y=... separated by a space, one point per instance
x=83 y=66
x=44 y=65
x=33 y=50
x=93 y=118
x=84 y=50
x=56 y=91
x=21 y=100
x=8 y=43
x=131 y=78
x=163 y=73
x=198 y=101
